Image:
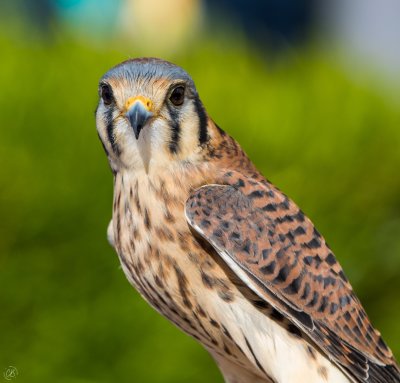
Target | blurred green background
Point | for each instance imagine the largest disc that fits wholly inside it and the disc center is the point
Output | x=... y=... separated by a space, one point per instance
x=326 y=135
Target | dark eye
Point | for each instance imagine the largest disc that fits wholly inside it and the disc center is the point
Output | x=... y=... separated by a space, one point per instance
x=178 y=95
x=106 y=94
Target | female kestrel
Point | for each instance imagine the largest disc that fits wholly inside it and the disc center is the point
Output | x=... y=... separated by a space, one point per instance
x=220 y=251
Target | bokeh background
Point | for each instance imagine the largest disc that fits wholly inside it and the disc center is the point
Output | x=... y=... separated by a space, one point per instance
x=310 y=90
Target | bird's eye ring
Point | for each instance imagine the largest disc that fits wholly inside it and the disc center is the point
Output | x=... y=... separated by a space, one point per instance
x=178 y=95
x=106 y=94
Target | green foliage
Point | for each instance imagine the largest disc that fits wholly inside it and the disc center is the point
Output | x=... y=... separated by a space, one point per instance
x=67 y=312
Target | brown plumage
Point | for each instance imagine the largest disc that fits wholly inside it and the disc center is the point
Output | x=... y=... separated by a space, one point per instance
x=220 y=251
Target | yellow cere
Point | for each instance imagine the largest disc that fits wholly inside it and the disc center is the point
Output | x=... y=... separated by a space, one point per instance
x=144 y=100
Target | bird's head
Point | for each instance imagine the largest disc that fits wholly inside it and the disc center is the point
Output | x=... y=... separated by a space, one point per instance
x=149 y=115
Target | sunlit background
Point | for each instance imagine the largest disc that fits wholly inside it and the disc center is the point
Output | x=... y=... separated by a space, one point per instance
x=310 y=89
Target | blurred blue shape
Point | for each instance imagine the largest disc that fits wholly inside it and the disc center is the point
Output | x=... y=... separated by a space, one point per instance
x=97 y=18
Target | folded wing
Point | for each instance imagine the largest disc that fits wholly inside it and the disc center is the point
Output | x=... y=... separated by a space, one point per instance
x=269 y=243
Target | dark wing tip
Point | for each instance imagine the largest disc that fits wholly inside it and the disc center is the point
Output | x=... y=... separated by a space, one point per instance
x=383 y=374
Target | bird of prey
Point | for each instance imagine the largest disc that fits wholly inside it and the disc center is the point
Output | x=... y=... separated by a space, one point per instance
x=218 y=249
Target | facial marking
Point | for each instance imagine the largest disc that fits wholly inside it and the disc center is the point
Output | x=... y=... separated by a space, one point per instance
x=175 y=129
x=155 y=117
x=110 y=131
x=203 y=132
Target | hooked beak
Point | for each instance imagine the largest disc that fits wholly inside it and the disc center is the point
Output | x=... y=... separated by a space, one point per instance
x=138 y=113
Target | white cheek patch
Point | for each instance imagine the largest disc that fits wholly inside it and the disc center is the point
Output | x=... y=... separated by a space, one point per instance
x=101 y=126
x=129 y=155
x=160 y=136
x=189 y=136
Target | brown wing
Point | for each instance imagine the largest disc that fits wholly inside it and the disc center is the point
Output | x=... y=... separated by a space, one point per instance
x=264 y=237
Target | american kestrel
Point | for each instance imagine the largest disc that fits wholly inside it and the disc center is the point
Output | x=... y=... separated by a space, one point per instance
x=220 y=251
